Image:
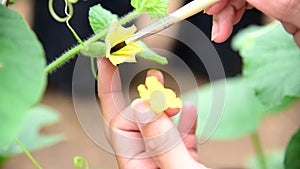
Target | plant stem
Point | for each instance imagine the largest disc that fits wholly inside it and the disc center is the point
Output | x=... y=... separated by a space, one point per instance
x=27 y=153
x=258 y=150
x=75 y=50
x=63 y=58
x=131 y=16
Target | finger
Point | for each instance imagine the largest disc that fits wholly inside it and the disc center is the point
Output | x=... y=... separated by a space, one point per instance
x=161 y=137
x=124 y=131
x=187 y=128
x=237 y=4
x=188 y=120
x=239 y=14
x=172 y=112
x=283 y=10
x=297 y=37
x=249 y=6
x=216 y=8
x=109 y=89
x=156 y=73
x=290 y=28
x=131 y=138
x=222 y=24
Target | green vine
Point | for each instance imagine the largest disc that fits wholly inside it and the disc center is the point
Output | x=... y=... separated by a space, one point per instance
x=63 y=58
x=77 y=49
x=28 y=154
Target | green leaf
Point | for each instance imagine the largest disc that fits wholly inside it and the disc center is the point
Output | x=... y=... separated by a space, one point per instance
x=151 y=55
x=292 y=153
x=274 y=160
x=242 y=111
x=100 y=18
x=271 y=63
x=155 y=8
x=37 y=118
x=22 y=77
x=95 y=49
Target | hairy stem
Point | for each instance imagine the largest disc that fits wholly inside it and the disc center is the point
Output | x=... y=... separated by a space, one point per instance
x=258 y=150
x=72 y=52
x=63 y=58
x=27 y=153
x=131 y=16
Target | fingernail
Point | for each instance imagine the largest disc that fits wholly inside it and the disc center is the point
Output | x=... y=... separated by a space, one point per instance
x=152 y=71
x=156 y=73
x=214 y=31
x=142 y=111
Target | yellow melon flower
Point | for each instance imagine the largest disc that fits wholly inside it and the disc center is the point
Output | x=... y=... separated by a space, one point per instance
x=117 y=34
x=159 y=97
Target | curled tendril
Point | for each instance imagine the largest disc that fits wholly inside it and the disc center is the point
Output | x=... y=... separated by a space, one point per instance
x=69 y=11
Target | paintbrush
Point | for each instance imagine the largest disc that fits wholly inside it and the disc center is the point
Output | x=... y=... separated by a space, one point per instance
x=180 y=14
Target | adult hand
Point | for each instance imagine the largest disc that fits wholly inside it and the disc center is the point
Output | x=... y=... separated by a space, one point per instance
x=227 y=13
x=140 y=137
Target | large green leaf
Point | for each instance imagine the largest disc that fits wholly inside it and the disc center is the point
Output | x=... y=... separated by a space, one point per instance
x=271 y=63
x=30 y=136
x=292 y=154
x=22 y=77
x=242 y=112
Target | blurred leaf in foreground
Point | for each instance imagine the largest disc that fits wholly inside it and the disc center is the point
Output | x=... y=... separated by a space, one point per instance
x=22 y=76
x=37 y=118
x=242 y=113
x=271 y=63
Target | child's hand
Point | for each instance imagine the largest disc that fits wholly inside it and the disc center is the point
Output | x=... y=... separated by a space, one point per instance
x=140 y=137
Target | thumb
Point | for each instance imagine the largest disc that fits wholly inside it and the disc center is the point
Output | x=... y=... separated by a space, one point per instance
x=161 y=137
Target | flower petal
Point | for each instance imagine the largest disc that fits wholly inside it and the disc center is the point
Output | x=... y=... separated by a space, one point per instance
x=169 y=93
x=153 y=83
x=129 y=50
x=117 y=33
x=115 y=60
x=160 y=98
x=143 y=92
x=174 y=103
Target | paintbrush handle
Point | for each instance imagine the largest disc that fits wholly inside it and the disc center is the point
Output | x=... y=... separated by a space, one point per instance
x=180 y=14
x=192 y=8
